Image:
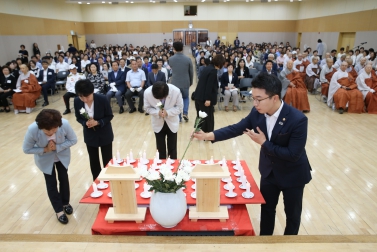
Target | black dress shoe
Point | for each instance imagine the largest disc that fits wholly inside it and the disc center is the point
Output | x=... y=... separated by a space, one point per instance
x=68 y=209
x=146 y=114
x=140 y=110
x=67 y=111
x=121 y=110
x=63 y=219
x=341 y=111
x=45 y=104
x=132 y=110
x=186 y=118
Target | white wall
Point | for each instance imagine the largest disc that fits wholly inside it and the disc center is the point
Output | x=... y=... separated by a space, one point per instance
x=368 y=36
x=259 y=37
x=310 y=39
x=53 y=9
x=206 y=11
x=321 y=8
x=10 y=45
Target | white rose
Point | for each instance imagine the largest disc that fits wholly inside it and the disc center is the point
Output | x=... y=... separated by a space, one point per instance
x=202 y=114
x=170 y=177
x=184 y=175
x=159 y=104
x=166 y=173
x=178 y=179
x=143 y=173
x=154 y=175
x=82 y=111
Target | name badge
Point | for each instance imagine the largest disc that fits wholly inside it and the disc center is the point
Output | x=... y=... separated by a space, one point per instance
x=49 y=73
x=9 y=81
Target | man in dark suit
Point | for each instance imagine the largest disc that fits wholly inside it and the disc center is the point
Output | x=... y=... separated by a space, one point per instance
x=154 y=76
x=117 y=82
x=281 y=130
x=236 y=43
x=217 y=42
x=47 y=80
x=268 y=68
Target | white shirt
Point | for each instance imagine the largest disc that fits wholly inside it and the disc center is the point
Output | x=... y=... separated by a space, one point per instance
x=83 y=64
x=45 y=75
x=62 y=66
x=90 y=110
x=271 y=120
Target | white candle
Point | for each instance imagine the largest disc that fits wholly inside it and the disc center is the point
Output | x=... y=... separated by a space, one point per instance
x=101 y=182
x=230 y=187
x=94 y=187
x=168 y=161
x=248 y=186
x=144 y=155
x=145 y=186
x=211 y=161
x=114 y=160
x=131 y=155
x=157 y=155
x=128 y=160
x=118 y=155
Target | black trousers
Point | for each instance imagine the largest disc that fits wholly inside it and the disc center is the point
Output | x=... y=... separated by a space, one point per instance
x=129 y=95
x=171 y=137
x=66 y=97
x=3 y=98
x=292 y=206
x=57 y=198
x=95 y=165
x=208 y=124
x=45 y=88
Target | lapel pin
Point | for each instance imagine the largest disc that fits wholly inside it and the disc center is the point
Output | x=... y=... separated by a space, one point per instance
x=283 y=119
x=281 y=123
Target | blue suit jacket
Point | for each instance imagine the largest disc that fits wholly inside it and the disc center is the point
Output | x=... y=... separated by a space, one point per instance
x=51 y=79
x=103 y=135
x=120 y=80
x=284 y=154
x=150 y=81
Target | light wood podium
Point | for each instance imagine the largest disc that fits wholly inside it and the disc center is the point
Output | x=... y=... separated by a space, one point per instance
x=208 y=193
x=122 y=185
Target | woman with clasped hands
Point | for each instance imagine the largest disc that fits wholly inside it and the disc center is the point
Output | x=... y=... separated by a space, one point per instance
x=94 y=113
x=49 y=138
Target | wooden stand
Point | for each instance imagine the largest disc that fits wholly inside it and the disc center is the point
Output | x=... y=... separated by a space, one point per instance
x=208 y=193
x=122 y=184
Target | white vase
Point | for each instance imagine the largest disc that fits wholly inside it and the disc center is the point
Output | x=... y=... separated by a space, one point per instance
x=168 y=209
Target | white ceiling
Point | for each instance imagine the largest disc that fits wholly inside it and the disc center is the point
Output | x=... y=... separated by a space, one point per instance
x=171 y=1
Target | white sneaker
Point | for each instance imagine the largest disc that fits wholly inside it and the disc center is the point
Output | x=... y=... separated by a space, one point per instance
x=16 y=111
x=28 y=110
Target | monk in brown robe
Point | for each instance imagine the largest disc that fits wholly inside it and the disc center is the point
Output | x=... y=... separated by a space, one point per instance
x=343 y=90
x=27 y=83
x=312 y=75
x=325 y=77
x=297 y=95
x=351 y=69
x=367 y=84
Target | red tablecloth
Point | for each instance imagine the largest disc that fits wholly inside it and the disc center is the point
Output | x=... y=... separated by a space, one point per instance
x=238 y=222
x=258 y=198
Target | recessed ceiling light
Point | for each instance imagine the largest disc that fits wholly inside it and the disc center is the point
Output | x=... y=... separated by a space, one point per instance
x=79 y=2
x=291 y=1
x=126 y=1
x=132 y=2
x=269 y=0
x=87 y=3
x=109 y=2
x=175 y=1
x=203 y=1
x=103 y=2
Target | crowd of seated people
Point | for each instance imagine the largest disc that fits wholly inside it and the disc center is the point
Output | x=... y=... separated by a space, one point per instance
x=112 y=69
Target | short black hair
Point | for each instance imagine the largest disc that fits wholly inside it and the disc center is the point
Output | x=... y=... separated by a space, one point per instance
x=146 y=57
x=178 y=46
x=319 y=41
x=48 y=119
x=94 y=65
x=160 y=90
x=270 y=83
x=44 y=62
x=269 y=61
x=160 y=60
x=84 y=87
x=154 y=66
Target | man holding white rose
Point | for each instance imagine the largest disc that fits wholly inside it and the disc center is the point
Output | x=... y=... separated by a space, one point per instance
x=164 y=103
x=135 y=82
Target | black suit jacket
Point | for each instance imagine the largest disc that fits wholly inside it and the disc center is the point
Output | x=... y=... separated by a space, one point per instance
x=51 y=79
x=272 y=72
x=150 y=81
x=208 y=86
x=120 y=80
x=225 y=81
x=103 y=133
x=284 y=154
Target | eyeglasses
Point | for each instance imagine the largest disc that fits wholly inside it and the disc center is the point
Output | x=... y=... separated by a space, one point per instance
x=257 y=101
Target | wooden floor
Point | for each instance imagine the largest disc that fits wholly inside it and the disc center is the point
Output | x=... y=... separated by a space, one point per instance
x=340 y=200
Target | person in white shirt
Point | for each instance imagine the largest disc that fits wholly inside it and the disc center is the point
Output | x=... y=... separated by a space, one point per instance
x=70 y=86
x=162 y=69
x=325 y=77
x=135 y=81
x=85 y=61
x=288 y=58
x=324 y=61
x=93 y=45
x=61 y=65
x=358 y=56
x=368 y=89
x=340 y=53
x=339 y=61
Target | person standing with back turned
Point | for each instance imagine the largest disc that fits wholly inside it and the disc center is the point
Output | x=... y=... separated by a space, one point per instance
x=183 y=75
x=281 y=130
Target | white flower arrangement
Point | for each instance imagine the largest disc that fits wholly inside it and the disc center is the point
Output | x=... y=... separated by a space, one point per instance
x=165 y=180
